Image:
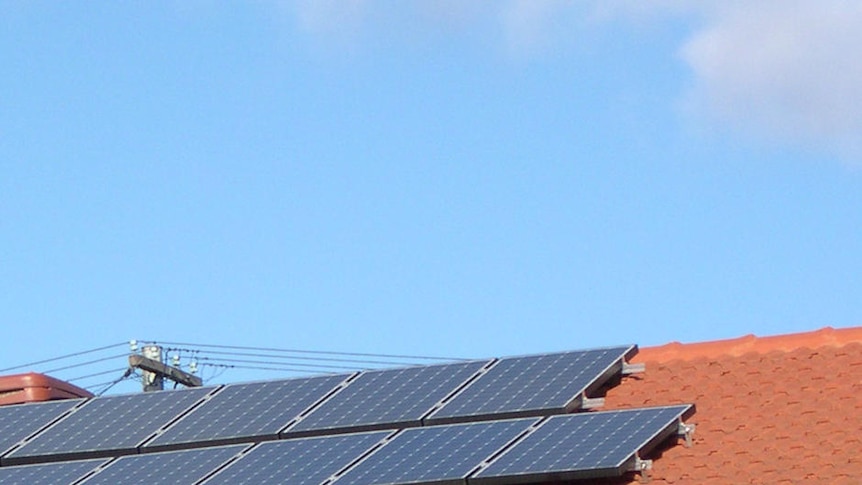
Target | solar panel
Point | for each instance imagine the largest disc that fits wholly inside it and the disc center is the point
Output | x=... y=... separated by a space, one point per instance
x=64 y=472
x=22 y=420
x=304 y=461
x=174 y=467
x=436 y=454
x=248 y=410
x=112 y=423
x=584 y=445
x=533 y=385
x=386 y=398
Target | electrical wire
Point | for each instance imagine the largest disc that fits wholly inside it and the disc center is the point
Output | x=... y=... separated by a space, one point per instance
x=94 y=375
x=279 y=369
x=129 y=374
x=81 y=364
x=295 y=357
x=76 y=354
x=220 y=358
x=318 y=352
x=298 y=364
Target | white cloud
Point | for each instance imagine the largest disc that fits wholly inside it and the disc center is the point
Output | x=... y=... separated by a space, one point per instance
x=331 y=16
x=522 y=25
x=780 y=69
x=785 y=69
x=525 y=23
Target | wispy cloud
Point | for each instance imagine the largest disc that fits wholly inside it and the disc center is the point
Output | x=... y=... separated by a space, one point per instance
x=780 y=69
x=784 y=69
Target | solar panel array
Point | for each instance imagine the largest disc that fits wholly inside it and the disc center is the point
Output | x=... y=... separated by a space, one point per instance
x=584 y=445
x=388 y=398
x=248 y=410
x=22 y=420
x=62 y=472
x=109 y=424
x=436 y=453
x=303 y=461
x=532 y=385
x=176 y=467
x=478 y=422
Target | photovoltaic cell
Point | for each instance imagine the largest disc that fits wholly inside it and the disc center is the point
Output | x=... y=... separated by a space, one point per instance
x=174 y=467
x=305 y=461
x=111 y=423
x=388 y=398
x=436 y=454
x=247 y=410
x=22 y=420
x=64 y=472
x=584 y=445
x=531 y=386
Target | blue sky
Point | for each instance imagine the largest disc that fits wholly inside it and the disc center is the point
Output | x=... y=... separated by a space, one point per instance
x=449 y=178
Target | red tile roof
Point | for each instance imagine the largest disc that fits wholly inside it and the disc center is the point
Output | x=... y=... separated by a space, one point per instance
x=782 y=409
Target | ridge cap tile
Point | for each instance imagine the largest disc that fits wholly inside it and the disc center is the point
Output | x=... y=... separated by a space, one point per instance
x=750 y=345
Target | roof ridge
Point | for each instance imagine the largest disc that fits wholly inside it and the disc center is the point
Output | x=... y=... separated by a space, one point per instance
x=735 y=347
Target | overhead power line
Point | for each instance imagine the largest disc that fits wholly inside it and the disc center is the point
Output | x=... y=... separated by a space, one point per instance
x=67 y=356
x=112 y=371
x=255 y=367
x=292 y=357
x=81 y=364
x=266 y=362
x=318 y=352
x=88 y=367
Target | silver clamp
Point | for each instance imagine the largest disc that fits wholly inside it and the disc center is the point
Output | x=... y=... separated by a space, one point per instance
x=642 y=468
x=686 y=431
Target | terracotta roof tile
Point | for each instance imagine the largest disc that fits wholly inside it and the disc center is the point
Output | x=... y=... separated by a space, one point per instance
x=784 y=409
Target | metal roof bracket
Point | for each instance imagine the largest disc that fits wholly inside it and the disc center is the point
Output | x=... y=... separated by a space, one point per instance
x=591 y=402
x=642 y=468
x=686 y=431
x=629 y=369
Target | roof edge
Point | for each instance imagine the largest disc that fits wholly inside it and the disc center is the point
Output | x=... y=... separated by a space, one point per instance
x=825 y=337
x=33 y=386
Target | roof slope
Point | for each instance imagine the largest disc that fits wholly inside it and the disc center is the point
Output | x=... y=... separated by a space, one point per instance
x=772 y=410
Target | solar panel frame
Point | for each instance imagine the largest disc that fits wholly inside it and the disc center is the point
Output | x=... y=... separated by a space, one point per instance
x=534 y=385
x=386 y=399
x=439 y=455
x=19 y=422
x=301 y=461
x=92 y=430
x=246 y=412
x=60 y=472
x=560 y=447
x=175 y=467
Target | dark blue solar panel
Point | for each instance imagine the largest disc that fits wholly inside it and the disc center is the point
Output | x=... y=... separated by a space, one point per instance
x=435 y=454
x=533 y=385
x=111 y=423
x=249 y=410
x=50 y=473
x=174 y=467
x=20 y=421
x=388 y=398
x=582 y=445
x=305 y=461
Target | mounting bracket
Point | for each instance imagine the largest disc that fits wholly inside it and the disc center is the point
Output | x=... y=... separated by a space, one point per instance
x=591 y=402
x=629 y=369
x=686 y=431
x=642 y=468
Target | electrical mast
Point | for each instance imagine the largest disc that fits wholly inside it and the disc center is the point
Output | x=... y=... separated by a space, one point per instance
x=155 y=371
